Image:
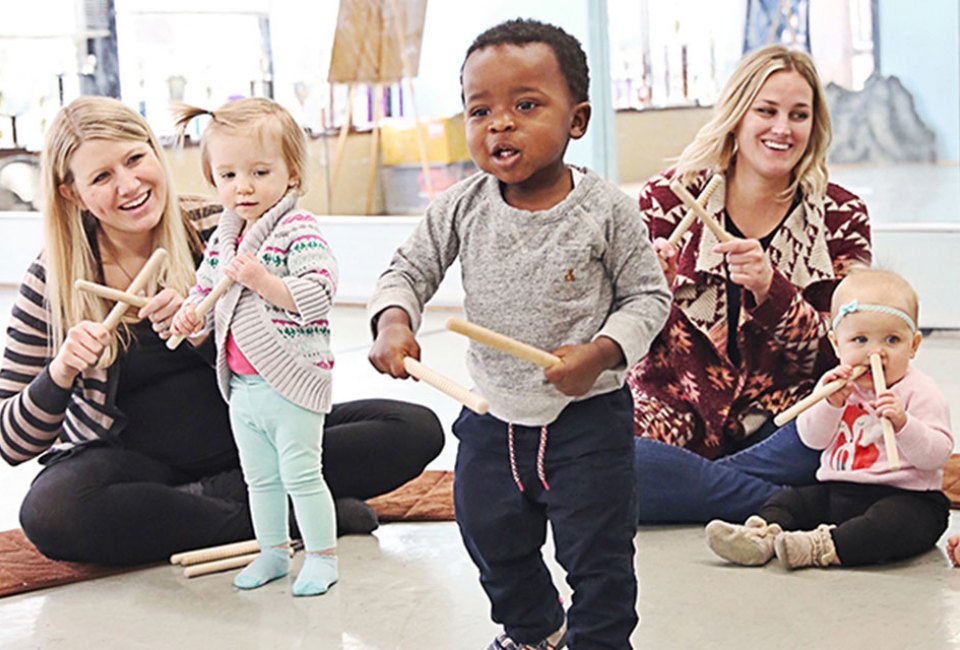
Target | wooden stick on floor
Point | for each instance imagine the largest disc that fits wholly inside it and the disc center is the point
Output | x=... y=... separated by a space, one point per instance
x=684 y=195
x=203 y=308
x=215 y=553
x=446 y=385
x=691 y=216
x=821 y=393
x=889 y=438
x=110 y=293
x=503 y=343
x=231 y=562
x=216 y=566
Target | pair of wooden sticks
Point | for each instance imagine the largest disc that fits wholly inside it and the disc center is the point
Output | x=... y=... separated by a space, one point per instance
x=218 y=558
x=828 y=389
x=487 y=337
x=696 y=207
x=129 y=298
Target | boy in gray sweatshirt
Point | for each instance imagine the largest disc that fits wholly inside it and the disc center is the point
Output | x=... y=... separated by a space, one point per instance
x=555 y=257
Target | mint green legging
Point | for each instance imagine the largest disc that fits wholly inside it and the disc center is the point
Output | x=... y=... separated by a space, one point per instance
x=280 y=444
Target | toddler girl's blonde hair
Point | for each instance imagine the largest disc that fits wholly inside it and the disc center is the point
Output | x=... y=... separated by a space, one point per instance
x=263 y=117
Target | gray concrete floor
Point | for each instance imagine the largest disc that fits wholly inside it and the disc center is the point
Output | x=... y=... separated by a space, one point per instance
x=412 y=585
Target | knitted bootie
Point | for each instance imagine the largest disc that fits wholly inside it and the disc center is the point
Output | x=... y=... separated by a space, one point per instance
x=805 y=548
x=749 y=545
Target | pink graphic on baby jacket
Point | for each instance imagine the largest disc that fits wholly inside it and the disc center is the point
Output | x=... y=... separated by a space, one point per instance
x=856 y=445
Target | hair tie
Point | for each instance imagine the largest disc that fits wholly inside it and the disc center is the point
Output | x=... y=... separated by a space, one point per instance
x=853 y=306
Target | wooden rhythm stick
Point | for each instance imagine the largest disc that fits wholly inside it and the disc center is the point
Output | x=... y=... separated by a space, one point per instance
x=138 y=284
x=245 y=553
x=446 y=385
x=215 y=553
x=823 y=392
x=684 y=195
x=503 y=343
x=203 y=308
x=889 y=439
x=691 y=216
x=216 y=566
x=110 y=293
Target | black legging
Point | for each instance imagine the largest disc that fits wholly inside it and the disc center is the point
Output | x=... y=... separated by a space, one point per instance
x=875 y=523
x=110 y=505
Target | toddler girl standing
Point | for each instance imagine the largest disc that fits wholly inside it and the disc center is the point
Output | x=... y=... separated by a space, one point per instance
x=271 y=328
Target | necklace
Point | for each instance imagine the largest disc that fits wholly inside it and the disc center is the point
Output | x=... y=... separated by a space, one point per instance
x=114 y=260
x=129 y=277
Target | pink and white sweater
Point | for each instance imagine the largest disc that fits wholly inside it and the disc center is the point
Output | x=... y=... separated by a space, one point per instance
x=852 y=439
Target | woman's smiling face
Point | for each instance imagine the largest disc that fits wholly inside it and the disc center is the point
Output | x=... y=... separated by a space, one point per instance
x=120 y=182
x=774 y=132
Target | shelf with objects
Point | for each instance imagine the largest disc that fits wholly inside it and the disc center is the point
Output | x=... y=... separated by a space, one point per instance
x=378 y=44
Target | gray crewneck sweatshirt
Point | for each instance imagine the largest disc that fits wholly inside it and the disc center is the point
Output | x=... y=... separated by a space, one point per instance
x=563 y=276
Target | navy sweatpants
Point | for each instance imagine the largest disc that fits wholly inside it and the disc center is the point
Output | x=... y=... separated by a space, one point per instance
x=591 y=506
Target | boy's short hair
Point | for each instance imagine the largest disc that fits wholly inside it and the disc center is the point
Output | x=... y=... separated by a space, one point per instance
x=521 y=31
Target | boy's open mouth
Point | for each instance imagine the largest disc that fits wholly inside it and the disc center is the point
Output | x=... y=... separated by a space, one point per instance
x=503 y=153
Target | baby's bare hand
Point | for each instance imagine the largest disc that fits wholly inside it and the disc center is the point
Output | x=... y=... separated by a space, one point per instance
x=667 y=255
x=246 y=270
x=844 y=372
x=185 y=321
x=888 y=405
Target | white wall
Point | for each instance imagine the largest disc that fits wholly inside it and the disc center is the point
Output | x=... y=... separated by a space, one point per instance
x=920 y=44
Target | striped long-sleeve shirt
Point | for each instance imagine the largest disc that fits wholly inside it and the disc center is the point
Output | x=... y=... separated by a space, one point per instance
x=35 y=413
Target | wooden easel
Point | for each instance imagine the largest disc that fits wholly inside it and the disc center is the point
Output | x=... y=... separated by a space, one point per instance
x=366 y=51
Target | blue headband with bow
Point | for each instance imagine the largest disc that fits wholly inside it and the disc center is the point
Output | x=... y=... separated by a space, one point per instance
x=853 y=306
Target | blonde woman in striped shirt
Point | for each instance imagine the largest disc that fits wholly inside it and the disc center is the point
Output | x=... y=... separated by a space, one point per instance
x=126 y=478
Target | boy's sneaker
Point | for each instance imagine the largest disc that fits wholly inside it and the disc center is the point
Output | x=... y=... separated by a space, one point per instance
x=555 y=641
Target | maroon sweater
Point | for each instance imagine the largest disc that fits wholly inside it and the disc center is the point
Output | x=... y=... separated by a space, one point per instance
x=686 y=390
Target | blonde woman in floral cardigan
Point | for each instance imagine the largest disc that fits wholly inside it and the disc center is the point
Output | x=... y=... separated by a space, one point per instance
x=747 y=332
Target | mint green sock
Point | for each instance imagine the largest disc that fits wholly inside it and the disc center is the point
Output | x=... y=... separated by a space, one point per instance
x=318 y=574
x=272 y=563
